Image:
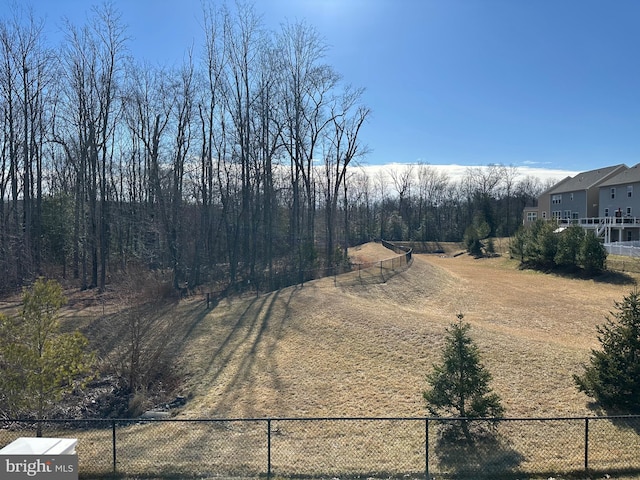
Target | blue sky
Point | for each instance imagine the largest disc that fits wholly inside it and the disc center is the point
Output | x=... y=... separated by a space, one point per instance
x=544 y=84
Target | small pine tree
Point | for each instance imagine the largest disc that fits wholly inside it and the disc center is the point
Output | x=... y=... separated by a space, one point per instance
x=518 y=243
x=39 y=364
x=569 y=243
x=612 y=377
x=491 y=247
x=460 y=384
x=544 y=247
x=592 y=256
x=472 y=241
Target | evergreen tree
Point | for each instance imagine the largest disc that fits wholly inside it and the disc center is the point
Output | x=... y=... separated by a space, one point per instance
x=460 y=383
x=569 y=244
x=612 y=377
x=544 y=246
x=472 y=242
x=592 y=256
x=475 y=233
x=491 y=247
x=38 y=363
x=518 y=243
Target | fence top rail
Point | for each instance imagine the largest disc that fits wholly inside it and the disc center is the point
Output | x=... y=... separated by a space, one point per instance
x=318 y=419
x=394 y=247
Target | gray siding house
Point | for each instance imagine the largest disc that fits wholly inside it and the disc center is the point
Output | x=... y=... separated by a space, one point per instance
x=619 y=200
x=543 y=208
x=605 y=200
x=621 y=194
x=579 y=197
x=573 y=198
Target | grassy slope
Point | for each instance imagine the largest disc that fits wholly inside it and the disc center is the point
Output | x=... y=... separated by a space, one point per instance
x=357 y=346
x=354 y=346
x=342 y=348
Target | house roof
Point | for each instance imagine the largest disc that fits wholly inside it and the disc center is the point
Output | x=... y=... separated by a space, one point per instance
x=556 y=185
x=587 y=180
x=626 y=177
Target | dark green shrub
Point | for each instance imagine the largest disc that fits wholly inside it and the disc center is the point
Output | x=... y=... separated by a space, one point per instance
x=612 y=377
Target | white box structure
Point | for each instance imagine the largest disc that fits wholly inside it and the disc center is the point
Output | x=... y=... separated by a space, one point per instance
x=40 y=446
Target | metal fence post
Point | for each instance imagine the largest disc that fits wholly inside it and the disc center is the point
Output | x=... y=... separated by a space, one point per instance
x=268 y=448
x=426 y=448
x=586 y=444
x=113 y=443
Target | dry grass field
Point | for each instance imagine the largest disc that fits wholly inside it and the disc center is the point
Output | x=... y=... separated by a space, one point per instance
x=336 y=348
x=360 y=345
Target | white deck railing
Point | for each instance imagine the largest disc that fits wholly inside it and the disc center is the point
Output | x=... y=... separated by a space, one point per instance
x=595 y=222
x=627 y=249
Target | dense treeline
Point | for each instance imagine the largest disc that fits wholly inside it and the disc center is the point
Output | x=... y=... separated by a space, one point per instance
x=544 y=246
x=236 y=166
x=422 y=203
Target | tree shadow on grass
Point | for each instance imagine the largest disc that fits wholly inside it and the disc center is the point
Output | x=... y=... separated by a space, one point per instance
x=624 y=420
x=614 y=278
x=486 y=456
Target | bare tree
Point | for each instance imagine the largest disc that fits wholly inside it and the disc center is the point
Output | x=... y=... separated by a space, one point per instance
x=402 y=179
x=307 y=87
x=361 y=200
x=210 y=111
x=11 y=231
x=431 y=189
x=93 y=61
x=244 y=40
x=184 y=112
x=152 y=99
x=25 y=73
x=268 y=129
x=509 y=176
x=481 y=186
x=381 y=183
x=347 y=118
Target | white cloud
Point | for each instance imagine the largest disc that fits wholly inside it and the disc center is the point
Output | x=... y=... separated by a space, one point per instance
x=457 y=172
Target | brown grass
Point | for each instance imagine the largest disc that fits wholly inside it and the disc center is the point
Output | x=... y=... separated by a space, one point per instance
x=328 y=349
x=344 y=346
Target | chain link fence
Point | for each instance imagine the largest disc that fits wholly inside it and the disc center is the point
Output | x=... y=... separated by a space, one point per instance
x=379 y=271
x=343 y=447
x=348 y=274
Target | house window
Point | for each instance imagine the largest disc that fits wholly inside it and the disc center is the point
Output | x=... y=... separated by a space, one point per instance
x=532 y=216
x=629 y=235
x=567 y=214
x=556 y=214
x=571 y=196
x=606 y=212
x=574 y=215
x=544 y=214
x=628 y=211
x=630 y=191
x=613 y=192
x=556 y=199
